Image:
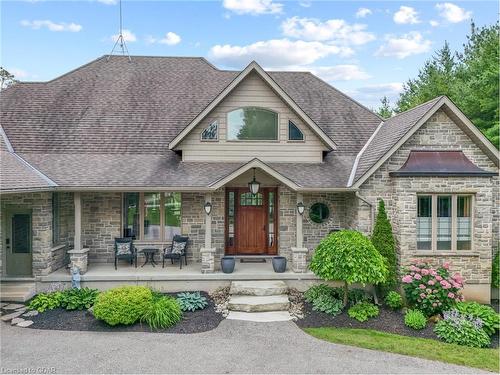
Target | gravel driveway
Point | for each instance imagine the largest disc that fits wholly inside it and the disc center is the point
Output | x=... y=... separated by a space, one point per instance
x=234 y=347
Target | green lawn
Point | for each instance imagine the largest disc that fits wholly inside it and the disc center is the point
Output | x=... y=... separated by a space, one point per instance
x=487 y=359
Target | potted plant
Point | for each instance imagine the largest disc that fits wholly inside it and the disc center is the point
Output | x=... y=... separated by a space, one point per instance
x=227 y=264
x=279 y=264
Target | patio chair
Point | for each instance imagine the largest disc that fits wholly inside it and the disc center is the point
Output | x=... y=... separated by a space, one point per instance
x=125 y=249
x=176 y=250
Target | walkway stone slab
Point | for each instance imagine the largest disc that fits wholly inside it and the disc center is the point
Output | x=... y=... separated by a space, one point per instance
x=31 y=313
x=259 y=288
x=263 y=317
x=25 y=324
x=12 y=306
x=9 y=317
x=259 y=303
x=16 y=321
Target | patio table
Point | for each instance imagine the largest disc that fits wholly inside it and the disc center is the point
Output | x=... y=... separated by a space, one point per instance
x=149 y=253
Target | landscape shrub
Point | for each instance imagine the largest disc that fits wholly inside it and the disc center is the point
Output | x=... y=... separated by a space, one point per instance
x=191 y=301
x=327 y=304
x=394 y=300
x=46 y=301
x=123 y=305
x=318 y=290
x=415 y=319
x=495 y=270
x=457 y=328
x=383 y=240
x=78 y=299
x=432 y=290
x=348 y=256
x=489 y=317
x=362 y=311
x=354 y=295
x=163 y=312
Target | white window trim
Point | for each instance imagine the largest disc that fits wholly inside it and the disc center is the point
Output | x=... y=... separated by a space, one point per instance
x=278 y=119
x=453 y=250
x=216 y=139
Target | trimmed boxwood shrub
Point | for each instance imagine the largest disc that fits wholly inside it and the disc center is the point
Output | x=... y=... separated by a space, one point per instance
x=394 y=300
x=415 y=319
x=123 y=305
x=348 y=256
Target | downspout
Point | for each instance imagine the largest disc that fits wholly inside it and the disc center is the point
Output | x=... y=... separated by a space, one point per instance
x=372 y=212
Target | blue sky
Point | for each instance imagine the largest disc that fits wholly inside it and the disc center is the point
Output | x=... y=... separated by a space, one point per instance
x=365 y=48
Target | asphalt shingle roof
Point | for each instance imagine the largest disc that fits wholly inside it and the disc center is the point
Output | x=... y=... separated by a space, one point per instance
x=14 y=174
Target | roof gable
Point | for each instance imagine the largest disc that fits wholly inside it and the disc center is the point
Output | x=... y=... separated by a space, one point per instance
x=395 y=131
x=253 y=67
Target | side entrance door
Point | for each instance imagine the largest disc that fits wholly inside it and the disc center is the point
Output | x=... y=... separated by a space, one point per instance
x=251 y=222
x=17 y=242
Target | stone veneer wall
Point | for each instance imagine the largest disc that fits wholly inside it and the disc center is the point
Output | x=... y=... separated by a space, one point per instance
x=287 y=225
x=40 y=205
x=400 y=195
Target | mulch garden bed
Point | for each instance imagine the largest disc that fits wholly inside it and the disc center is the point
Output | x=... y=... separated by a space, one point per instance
x=388 y=321
x=82 y=320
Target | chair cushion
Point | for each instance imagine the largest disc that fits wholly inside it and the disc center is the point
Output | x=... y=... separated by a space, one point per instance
x=178 y=247
x=123 y=248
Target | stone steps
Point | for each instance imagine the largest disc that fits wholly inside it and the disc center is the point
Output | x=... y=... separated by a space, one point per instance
x=258 y=288
x=262 y=317
x=17 y=292
x=259 y=303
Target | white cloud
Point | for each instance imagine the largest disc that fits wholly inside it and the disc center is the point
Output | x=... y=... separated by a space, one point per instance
x=363 y=12
x=305 y=4
x=348 y=72
x=370 y=95
x=52 y=26
x=453 y=13
x=108 y=2
x=253 y=7
x=18 y=73
x=403 y=46
x=434 y=23
x=334 y=30
x=406 y=15
x=128 y=36
x=171 y=39
x=276 y=53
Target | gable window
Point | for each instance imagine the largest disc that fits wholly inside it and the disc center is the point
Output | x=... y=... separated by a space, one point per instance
x=294 y=133
x=211 y=132
x=444 y=222
x=152 y=217
x=252 y=124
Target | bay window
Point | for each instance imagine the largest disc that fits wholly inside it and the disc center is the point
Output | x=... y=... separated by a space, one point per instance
x=444 y=222
x=152 y=216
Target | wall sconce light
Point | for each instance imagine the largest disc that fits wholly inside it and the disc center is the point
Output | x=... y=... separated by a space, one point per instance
x=301 y=208
x=208 y=208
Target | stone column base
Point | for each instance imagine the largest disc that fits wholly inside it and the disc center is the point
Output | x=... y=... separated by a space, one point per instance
x=79 y=258
x=207 y=260
x=299 y=259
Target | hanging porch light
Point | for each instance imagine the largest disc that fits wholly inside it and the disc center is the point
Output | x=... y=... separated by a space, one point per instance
x=254 y=185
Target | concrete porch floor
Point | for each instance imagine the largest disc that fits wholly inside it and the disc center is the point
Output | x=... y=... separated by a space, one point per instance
x=171 y=278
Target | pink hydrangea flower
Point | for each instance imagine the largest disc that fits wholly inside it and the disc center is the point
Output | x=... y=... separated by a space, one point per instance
x=407 y=279
x=417 y=276
x=431 y=282
x=428 y=291
x=421 y=286
x=433 y=272
x=445 y=284
x=422 y=295
x=438 y=278
x=425 y=272
x=446 y=265
x=413 y=268
x=451 y=295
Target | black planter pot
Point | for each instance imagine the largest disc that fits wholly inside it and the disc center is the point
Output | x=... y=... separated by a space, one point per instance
x=279 y=264
x=227 y=264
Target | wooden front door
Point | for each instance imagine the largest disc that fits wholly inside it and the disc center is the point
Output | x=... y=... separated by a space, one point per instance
x=251 y=222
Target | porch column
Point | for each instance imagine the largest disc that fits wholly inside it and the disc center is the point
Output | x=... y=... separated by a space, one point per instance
x=207 y=252
x=78 y=256
x=299 y=253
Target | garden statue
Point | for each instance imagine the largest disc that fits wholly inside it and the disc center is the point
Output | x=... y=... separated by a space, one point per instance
x=75 y=277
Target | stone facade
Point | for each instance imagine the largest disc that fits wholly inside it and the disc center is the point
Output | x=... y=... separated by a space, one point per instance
x=400 y=196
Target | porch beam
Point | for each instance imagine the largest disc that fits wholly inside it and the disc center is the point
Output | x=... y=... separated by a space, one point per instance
x=77 y=245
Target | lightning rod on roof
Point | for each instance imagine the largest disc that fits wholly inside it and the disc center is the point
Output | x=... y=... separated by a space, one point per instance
x=120 y=41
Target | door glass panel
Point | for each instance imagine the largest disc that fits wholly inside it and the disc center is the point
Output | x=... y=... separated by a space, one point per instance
x=230 y=219
x=172 y=219
x=424 y=223
x=271 y=235
x=151 y=216
x=131 y=215
x=444 y=222
x=464 y=222
x=249 y=199
x=21 y=234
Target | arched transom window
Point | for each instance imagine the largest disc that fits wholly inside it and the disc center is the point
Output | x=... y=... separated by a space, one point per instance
x=252 y=124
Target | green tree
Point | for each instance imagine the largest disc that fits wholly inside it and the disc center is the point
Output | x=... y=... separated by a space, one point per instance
x=383 y=240
x=348 y=256
x=6 y=79
x=385 y=110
